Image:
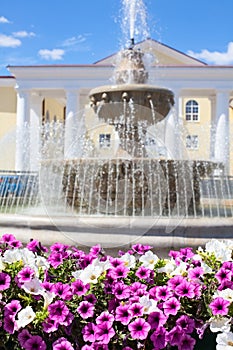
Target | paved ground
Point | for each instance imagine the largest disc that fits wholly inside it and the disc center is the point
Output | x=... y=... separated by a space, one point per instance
x=117 y=233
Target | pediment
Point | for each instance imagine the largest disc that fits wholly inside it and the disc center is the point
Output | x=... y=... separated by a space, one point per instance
x=160 y=54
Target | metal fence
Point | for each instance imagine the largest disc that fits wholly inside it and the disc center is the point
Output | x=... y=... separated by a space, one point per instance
x=21 y=189
x=18 y=189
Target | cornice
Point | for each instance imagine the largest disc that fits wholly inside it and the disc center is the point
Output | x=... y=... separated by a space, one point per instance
x=88 y=76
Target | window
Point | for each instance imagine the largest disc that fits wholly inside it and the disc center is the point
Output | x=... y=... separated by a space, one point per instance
x=192 y=111
x=104 y=140
x=192 y=142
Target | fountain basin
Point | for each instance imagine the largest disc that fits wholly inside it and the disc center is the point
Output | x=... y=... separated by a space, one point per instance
x=137 y=186
x=150 y=103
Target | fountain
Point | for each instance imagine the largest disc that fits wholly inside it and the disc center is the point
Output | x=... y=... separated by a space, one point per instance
x=130 y=181
x=123 y=173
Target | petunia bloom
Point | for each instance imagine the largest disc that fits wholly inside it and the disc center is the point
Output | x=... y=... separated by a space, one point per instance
x=139 y=329
x=219 y=306
x=104 y=332
x=35 y=342
x=171 y=306
x=62 y=344
x=123 y=314
x=85 y=309
x=158 y=338
x=58 y=311
x=5 y=281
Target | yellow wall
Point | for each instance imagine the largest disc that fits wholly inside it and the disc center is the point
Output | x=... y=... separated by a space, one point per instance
x=7 y=127
x=54 y=108
x=200 y=128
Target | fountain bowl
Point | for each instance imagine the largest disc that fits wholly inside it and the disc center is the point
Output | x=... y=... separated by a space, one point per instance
x=112 y=101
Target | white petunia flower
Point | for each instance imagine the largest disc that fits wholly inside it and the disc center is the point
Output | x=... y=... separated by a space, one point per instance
x=2 y=265
x=40 y=261
x=149 y=305
x=224 y=341
x=12 y=256
x=28 y=257
x=220 y=324
x=48 y=298
x=169 y=267
x=33 y=287
x=90 y=274
x=149 y=259
x=129 y=260
x=220 y=249
x=180 y=269
x=25 y=317
x=76 y=274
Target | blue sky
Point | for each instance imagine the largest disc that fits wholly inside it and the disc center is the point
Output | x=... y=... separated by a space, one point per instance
x=81 y=31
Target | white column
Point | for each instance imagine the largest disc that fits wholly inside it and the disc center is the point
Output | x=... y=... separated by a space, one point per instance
x=213 y=126
x=174 y=124
x=35 y=135
x=221 y=153
x=22 y=156
x=71 y=123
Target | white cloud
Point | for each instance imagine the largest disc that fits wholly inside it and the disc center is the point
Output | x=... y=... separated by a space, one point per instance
x=215 y=57
x=55 y=54
x=74 y=40
x=23 y=34
x=4 y=20
x=9 y=41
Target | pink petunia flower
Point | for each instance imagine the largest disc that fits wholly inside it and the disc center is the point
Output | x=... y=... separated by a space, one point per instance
x=136 y=309
x=62 y=344
x=139 y=329
x=12 y=308
x=156 y=319
x=163 y=293
x=88 y=332
x=79 y=288
x=23 y=337
x=121 y=291
x=104 y=332
x=186 y=343
x=174 y=336
x=186 y=323
x=5 y=281
x=223 y=275
x=25 y=275
x=159 y=338
x=219 y=306
x=123 y=314
x=85 y=309
x=62 y=290
x=105 y=316
x=185 y=289
x=143 y=272
x=58 y=311
x=171 y=306
x=35 y=342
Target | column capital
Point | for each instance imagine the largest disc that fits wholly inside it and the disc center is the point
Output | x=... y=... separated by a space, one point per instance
x=70 y=90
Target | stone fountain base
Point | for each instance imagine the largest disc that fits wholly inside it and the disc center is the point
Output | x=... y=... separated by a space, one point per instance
x=134 y=187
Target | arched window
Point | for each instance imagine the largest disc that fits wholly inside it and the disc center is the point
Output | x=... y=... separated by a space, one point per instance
x=192 y=111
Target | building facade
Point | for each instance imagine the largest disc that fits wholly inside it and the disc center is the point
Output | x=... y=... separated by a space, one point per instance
x=32 y=95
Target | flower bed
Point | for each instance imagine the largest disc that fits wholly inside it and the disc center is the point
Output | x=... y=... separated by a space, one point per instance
x=62 y=298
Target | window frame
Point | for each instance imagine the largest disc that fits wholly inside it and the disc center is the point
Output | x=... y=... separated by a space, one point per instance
x=193 y=112
x=194 y=140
